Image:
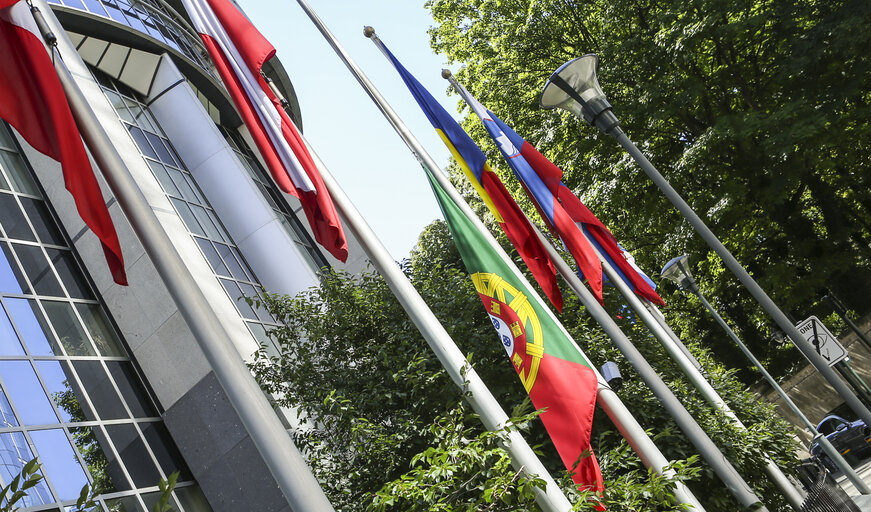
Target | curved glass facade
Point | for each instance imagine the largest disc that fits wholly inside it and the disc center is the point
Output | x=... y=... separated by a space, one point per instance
x=149 y=17
x=69 y=392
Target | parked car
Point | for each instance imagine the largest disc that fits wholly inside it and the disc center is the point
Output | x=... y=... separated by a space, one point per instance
x=851 y=438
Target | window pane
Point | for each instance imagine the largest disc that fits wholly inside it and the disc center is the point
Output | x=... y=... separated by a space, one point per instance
x=69 y=273
x=32 y=327
x=100 y=390
x=13 y=220
x=105 y=470
x=36 y=267
x=192 y=499
x=132 y=450
x=59 y=462
x=126 y=504
x=184 y=188
x=153 y=498
x=7 y=417
x=120 y=107
x=188 y=217
x=236 y=294
x=101 y=332
x=162 y=153
x=18 y=173
x=66 y=397
x=165 y=181
x=9 y=344
x=165 y=451
x=11 y=279
x=14 y=454
x=231 y=262
x=142 y=142
x=66 y=325
x=206 y=222
x=44 y=225
x=212 y=255
x=131 y=390
x=25 y=392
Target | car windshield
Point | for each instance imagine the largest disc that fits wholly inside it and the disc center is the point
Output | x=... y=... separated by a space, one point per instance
x=829 y=426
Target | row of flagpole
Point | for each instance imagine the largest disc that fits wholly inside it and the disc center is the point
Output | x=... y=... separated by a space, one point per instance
x=282 y=458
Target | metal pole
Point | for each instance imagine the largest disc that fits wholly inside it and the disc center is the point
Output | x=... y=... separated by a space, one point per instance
x=482 y=401
x=758 y=293
x=825 y=444
x=302 y=490
x=706 y=447
x=677 y=351
x=849 y=374
x=841 y=310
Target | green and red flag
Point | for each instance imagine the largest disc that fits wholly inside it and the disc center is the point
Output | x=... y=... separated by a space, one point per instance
x=555 y=373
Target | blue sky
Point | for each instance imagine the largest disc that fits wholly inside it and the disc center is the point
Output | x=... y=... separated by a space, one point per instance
x=355 y=141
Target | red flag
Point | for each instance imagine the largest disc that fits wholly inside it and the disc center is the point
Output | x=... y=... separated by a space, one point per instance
x=32 y=100
x=239 y=51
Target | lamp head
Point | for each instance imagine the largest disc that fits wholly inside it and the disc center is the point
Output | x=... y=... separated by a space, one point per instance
x=575 y=87
x=677 y=271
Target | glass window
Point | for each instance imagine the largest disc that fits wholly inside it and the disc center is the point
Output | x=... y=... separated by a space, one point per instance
x=25 y=392
x=42 y=222
x=188 y=217
x=164 y=450
x=192 y=499
x=206 y=222
x=142 y=142
x=158 y=146
x=236 y=294
x=105 y=471
x=13 y=220
x=125 y=379
x=14 y=454
x=230 y=261
x=100 y=390
x=9 y=344
x=66 y=398
x=134 y=454
x=11 y=280
x=69 y=273
x=7 y=416
x=36 y=267
x=32 y=327
x=17 y=173
x=125 y=504
x=184 y=188
x=153 y=498
x=72 y=337
x=102 y=334
x=59 y=462
x=211 y=254
x=163 y=177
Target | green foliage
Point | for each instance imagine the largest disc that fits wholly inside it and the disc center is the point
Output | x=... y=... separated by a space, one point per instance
x=757 y=111
x=384 y=429
x=28 y=478
x=166 y=487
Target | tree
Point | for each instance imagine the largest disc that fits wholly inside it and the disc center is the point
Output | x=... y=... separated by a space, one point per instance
x=756 y=110
x=383 y=427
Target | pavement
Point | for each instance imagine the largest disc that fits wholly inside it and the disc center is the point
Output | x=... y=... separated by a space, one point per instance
x=864 y=472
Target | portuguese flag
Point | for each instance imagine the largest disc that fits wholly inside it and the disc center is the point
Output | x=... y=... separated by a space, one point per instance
x=553 y=370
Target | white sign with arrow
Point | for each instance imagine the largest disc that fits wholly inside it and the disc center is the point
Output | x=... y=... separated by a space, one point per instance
x=822 y=339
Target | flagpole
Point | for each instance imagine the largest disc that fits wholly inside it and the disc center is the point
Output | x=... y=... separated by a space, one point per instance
x=616 y=410
x=285 y=463
x=676 y=350
x=696 y=435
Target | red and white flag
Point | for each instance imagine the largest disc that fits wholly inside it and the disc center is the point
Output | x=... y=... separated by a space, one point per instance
x=238 y=51
x=32 y=100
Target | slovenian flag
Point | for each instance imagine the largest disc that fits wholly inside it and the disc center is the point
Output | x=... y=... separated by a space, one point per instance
x=488 y=185
x=239 y=51
x=564 y=213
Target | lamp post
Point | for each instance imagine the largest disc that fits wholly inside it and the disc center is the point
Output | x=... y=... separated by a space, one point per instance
x=575 y=87
x=677 y=271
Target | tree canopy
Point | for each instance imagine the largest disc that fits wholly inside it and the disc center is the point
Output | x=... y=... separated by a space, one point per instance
x=757 y=111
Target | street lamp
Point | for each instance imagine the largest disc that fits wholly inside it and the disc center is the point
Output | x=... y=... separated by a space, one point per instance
x=677 y=271
x=575 y=87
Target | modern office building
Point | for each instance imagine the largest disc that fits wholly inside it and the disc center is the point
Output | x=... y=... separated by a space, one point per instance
x=105 y=384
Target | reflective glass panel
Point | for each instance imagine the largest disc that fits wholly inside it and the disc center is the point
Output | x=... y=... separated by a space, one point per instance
x=69 y=330
x=14 y=454
x=58 y=382
x=59 y=462
x=25 y=392
x=32 y=326
x=212 y=255
x=100 y=390
x=11 y=278
x=125 y=504
x=142 y=142
x=165 y=181
x=134 y=454
x=18 y=173
x=9 y=344
x=164 y=450
x=92 y=445
x=125 y=379
x=101 y=333
x=7 y=417
x=42 y=221
x=192 y=499
x=13 y=220
x=36 y=268
x=153 y=498
x=69 y=273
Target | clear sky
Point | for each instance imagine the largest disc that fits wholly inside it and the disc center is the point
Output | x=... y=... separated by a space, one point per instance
x=355 y=141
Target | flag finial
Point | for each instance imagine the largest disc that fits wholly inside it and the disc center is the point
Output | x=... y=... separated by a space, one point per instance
x=446 y=73
x=368 y=31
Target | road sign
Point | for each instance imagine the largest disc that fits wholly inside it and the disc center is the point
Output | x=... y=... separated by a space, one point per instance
x=822 y=339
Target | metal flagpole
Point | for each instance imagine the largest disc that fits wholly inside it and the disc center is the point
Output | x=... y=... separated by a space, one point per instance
x=616 y=410
x=285 y=463
x=676 y=350
x=696 y=435
x=451 y=357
